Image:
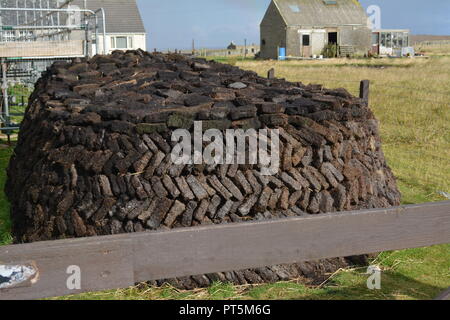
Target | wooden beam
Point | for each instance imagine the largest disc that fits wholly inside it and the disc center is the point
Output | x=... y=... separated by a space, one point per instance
x=66 y=48
x=444 y=295
x=103 y=265
x=123 y=260
x=364 y=91
x=229 y=247
x=271 y=74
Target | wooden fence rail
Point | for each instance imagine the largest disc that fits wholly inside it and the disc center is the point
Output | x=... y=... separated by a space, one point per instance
x=46 y=269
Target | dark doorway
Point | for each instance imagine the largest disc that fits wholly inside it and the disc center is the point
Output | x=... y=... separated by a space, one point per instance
x=306 y=40
x=332 y=38
x=306 y=46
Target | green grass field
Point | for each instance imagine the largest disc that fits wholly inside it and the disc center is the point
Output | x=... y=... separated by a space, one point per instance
x=5 y=225
x=411 y=98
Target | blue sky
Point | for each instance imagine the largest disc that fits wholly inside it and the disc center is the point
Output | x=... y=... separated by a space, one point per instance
x=214 y=23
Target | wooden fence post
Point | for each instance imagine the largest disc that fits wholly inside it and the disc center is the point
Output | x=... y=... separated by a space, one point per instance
x=364 y=90
x=271 y=74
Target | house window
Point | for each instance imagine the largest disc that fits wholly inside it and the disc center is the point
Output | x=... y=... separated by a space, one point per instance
x=305 y=40
x=387 y=39
x=9 y=36
x=401 y=40
x=121 y=42
x=375 y=38
x=25 y=35
x=395 y=42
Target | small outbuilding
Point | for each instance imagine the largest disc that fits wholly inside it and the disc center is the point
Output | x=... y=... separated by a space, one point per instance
x=389 y=42
x=232 y=46
x=307 y=27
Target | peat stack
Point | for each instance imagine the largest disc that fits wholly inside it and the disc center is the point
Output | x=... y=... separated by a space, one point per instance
x=93 y=156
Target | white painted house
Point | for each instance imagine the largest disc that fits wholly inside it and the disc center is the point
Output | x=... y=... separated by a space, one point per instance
x=124 y=26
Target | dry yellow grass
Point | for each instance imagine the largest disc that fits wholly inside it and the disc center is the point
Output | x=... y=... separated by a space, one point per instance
x=410 y=97
x=440 y=49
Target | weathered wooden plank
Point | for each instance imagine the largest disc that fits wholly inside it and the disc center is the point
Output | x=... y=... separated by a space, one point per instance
x=364 y=90
x=103 y=264
x=444 y=295
x=122 y=260
x=18 y=275
x=271 y=74
x=239 y=246
x=67 y=48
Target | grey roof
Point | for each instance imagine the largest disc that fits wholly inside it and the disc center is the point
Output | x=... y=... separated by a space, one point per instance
x=122 y=16
x=319 y=13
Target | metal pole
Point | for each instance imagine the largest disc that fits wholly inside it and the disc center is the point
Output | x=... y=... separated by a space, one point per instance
x=86 y=36
x=34 y=12
x=45 y=27
x=17 y=13
x=5 y=92
x=50 y=10
x=97 y=50
x=26 y=12
x=245 y=48
x=39 y=13
x=104 y=28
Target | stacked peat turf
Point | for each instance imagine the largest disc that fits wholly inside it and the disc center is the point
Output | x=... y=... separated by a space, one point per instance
x=93 y=156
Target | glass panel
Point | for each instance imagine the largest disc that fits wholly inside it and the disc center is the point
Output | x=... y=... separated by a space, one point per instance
x=406 y=40
x=389 y=40
x=400 y=40
x=10 y=36
x=395 y=40
x=25 y=35
x=383 y=39
x=121 y=42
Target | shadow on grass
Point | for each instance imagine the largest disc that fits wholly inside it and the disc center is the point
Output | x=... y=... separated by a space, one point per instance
x=5 y=223
x=350 y=286
x=394 y=286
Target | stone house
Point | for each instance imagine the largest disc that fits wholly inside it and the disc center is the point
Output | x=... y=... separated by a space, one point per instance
x=305 y=27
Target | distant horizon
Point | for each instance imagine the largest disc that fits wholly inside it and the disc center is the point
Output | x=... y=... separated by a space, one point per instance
x=211 y=48
x=257 y=44
x=173 y=24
